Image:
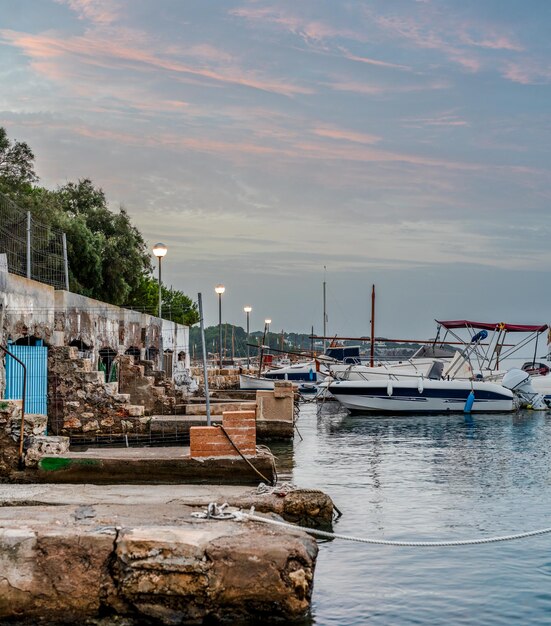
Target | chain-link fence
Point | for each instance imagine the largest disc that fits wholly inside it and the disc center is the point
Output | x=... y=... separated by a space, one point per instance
x=33 y=248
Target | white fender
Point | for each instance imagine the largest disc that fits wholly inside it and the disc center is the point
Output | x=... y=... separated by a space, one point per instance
x=389 y=388
x=420 y=385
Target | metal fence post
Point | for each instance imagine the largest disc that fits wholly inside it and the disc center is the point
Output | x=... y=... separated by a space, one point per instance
x=28 y=244
x=65 y=261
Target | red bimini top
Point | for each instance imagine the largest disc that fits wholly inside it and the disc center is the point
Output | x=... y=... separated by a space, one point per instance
x=510 y=328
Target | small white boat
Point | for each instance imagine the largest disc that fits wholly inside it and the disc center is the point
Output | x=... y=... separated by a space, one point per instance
x=421 y=396
x=246 y=381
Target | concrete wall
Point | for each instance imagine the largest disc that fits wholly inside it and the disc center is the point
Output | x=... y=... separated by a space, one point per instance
x=26 y=308
x=101 y=325
x=30 y=308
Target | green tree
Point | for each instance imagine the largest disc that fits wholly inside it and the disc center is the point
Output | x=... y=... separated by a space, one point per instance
x=176 y=305
x=16 y=163
x=108 y=257
x=107 y=254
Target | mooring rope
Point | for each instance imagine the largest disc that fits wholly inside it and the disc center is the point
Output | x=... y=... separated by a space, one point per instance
x=213 y=510
x=239 y=515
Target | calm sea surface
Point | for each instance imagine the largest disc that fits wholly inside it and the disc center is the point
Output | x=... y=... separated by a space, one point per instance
x=430 y=478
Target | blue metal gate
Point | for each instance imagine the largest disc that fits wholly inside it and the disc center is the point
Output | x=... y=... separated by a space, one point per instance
x=35 y=359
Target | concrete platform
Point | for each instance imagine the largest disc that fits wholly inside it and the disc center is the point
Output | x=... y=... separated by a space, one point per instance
x=151 y=564
x=147 y=465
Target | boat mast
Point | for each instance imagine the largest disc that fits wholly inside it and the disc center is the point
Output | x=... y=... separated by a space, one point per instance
x=324 y=312
x=372 y=347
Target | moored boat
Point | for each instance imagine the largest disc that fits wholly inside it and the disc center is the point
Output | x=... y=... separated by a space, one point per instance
x=421 y=396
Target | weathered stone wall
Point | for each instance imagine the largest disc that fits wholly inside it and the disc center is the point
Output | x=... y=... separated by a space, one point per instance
x=34 y=427
x=218 y=378
x=192 y=572
x=101 y=325
x=80 y=402
x=145 y=386
x=26 y=310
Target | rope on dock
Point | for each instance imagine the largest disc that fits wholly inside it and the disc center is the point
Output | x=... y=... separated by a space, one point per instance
x=242 y=516
x=272 y=482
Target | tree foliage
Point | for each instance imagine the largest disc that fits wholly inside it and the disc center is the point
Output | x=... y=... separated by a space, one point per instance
x=16 y=162
x=176 y=305
x=108 y=256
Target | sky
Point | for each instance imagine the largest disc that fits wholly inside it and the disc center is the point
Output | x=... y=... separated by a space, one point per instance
x=404 y=144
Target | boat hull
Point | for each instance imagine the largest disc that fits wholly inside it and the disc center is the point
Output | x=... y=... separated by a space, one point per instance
x=434 y=396
x=255 y=383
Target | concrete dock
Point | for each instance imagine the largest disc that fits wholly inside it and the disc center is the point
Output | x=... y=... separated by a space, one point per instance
x=153 y=465
x=73 y=552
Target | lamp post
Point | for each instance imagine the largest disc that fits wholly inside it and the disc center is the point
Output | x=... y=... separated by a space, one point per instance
x=160 y=250
x=268 y=322
x=220 y=290
x=248 y=310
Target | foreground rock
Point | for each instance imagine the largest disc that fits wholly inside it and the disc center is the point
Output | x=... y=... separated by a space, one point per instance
x=67 y=564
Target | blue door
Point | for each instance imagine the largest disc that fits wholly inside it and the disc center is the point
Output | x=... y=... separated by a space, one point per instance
x=35 y=359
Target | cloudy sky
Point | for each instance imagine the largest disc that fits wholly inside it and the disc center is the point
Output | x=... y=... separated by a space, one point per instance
x=404 y=143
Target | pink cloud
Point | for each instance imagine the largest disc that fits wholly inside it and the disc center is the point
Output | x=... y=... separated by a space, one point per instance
x=110 y=51
x=99 y=12
x=445 y=120
x=528 y=73
x=369 y=61
x=315 y=30
x=346 y=135
x=457 y=40
x=498 y=42
x=379 y=90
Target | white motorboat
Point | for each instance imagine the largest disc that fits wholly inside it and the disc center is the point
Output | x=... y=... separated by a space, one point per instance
x=443 y=384
x=421 y=396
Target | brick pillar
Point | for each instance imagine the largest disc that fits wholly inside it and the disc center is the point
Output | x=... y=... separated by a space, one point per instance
x=210 y=441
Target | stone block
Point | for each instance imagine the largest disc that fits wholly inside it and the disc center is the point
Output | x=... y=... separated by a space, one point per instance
x=135 y=410
x=72 y=423
x=123 y=398
x=90 y=426
x=34 y=425
x=40 y=446
x=181 y=575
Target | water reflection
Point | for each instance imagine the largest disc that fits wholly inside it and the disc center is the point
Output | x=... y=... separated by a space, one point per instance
x=430 y=477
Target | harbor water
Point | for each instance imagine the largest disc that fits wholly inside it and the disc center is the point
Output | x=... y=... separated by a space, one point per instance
x=430 y=478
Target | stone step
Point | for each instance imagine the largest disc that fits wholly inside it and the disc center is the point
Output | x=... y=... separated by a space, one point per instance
x=112 y=387
x=217 y=408
x=179 y=424
x=136 y=410
x=123 y=398
x=94 y=377
x=85 y=365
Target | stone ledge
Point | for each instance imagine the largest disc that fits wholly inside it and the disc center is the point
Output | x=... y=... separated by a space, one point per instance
x=66 y=566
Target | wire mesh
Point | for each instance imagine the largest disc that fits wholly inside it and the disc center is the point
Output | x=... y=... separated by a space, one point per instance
x=47 y=262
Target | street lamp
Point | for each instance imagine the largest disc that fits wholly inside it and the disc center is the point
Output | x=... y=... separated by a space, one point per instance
x=248 y=310
x=220 y=290
x=160 y=250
